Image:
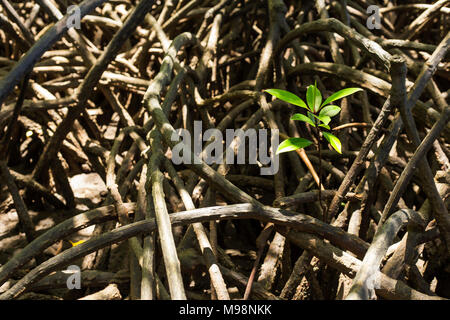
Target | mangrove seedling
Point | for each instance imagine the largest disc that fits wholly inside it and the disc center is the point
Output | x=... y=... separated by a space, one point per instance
x=318 y=115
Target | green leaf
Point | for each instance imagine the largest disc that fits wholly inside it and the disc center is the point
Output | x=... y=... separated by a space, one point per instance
x=324 y=126
x=302 y=117
x=292 y=144
x=287 y=97
x=330 y=111
x=313 y=97
x=340 y=94
x=324 y=119
x=333 y=140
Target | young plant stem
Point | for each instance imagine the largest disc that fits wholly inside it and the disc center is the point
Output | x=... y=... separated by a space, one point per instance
x=324 y=212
